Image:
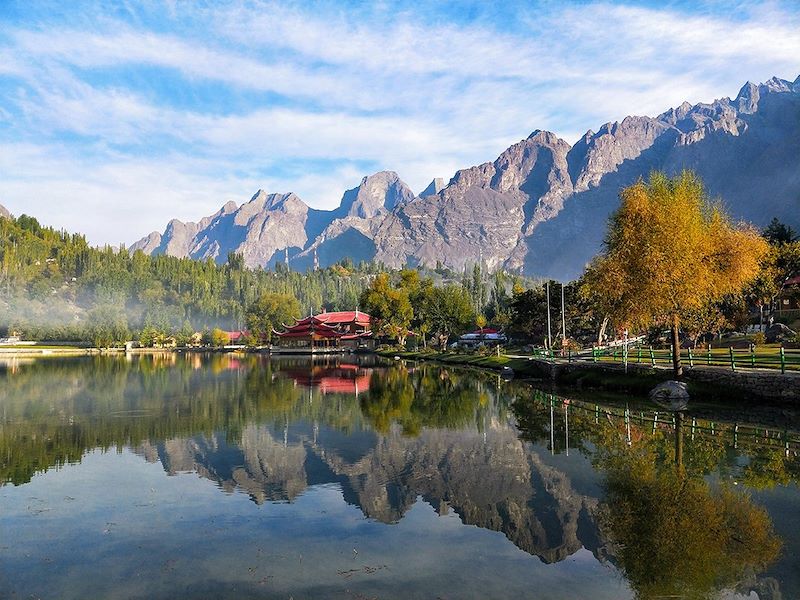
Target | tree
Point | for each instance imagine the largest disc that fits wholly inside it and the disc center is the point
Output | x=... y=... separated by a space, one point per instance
x=777 y=233
x=529 y=312
x=780 y=263
x=708 y=318
x=269 y=312
x=184 y=335
x=109 y=326
x=668 y=250
x=390 y=307
x=448 y=310
x=419 y=291
x=147 y=337
x=219 y=338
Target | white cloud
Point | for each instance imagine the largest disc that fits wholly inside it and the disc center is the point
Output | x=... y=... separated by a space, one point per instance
x=416 y=97
x=119 y=199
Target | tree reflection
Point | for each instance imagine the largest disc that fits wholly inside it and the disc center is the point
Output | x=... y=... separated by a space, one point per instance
x=54 y=411
x=423 y=397
x=674 y=535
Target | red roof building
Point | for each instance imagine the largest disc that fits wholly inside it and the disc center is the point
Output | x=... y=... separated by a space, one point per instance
x=326 y=332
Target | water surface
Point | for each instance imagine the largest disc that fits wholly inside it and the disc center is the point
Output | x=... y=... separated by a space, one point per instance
x=233 y=477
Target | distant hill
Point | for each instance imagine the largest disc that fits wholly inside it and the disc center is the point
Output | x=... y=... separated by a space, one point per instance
x=541 y=207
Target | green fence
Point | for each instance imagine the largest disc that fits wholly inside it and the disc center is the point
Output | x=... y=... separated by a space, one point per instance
x=733 y=358
x=742 y=434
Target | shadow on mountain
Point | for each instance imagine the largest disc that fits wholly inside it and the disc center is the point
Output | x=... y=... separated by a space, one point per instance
x=748 y=170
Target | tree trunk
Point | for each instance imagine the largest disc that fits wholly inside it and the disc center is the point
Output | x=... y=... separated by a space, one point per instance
x=679 y=443
x=677 y=368
x=601 y=334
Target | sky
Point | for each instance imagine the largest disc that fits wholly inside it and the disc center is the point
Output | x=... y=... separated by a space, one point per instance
x=116 y=117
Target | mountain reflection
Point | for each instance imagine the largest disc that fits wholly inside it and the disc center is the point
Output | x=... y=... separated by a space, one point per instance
x=491 y=451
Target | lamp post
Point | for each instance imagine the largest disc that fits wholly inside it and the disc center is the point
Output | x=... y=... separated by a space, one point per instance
x=563 y=318
x=549 y=336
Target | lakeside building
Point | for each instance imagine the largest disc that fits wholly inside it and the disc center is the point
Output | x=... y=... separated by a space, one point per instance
x=339 y=331
x=486 y=336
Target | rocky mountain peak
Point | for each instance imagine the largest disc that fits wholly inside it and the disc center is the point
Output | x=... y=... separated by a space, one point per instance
x=175 y=224
x=148 y=244
x=776 y=84
x=434 y=187
x=376 y=193
x=528 y=162
x=748 y=97
x=513 y=167
x=544 y=138
x=4 y=212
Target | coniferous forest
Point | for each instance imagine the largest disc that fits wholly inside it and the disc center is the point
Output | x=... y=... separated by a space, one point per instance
x=55 y=286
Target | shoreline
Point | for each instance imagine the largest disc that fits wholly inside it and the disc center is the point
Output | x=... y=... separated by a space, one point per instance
x=48 y=350
x=712 y=383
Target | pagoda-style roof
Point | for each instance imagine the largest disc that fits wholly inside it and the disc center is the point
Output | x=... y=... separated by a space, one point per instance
x=328 y=325
x=344 y=317
x=310 y=328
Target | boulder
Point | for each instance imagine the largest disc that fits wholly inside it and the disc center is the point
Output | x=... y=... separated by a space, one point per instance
x=671 y=395
x=778 y=332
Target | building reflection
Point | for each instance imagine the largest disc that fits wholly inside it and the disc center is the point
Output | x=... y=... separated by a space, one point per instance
x=342 y=378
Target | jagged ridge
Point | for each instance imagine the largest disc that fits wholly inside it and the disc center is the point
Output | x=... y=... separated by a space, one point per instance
x=540 y=207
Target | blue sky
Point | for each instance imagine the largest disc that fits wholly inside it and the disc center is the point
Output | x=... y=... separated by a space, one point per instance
x=117 y=116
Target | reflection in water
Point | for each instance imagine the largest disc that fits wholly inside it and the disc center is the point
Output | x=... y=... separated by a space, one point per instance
x=673 y=535
x=555 y=476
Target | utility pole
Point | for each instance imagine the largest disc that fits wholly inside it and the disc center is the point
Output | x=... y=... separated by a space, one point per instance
x=549 y=336
x=563 y=317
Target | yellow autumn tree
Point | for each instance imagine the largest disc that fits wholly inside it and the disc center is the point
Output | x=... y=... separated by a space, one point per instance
x=668 y=251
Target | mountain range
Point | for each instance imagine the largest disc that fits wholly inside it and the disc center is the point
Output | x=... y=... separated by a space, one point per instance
x=540 y=208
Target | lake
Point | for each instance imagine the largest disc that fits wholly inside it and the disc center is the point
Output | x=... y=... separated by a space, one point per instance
x=224 y=476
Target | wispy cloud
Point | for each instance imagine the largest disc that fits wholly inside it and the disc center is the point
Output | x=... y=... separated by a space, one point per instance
x=163 y=110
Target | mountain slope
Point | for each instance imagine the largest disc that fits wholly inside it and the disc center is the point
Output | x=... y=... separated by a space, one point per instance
x=746 y=150
x=259 y=230
x=540 y=207
x=270 y=226
x=4 y=212
x=351 y=232
x=483 y=211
